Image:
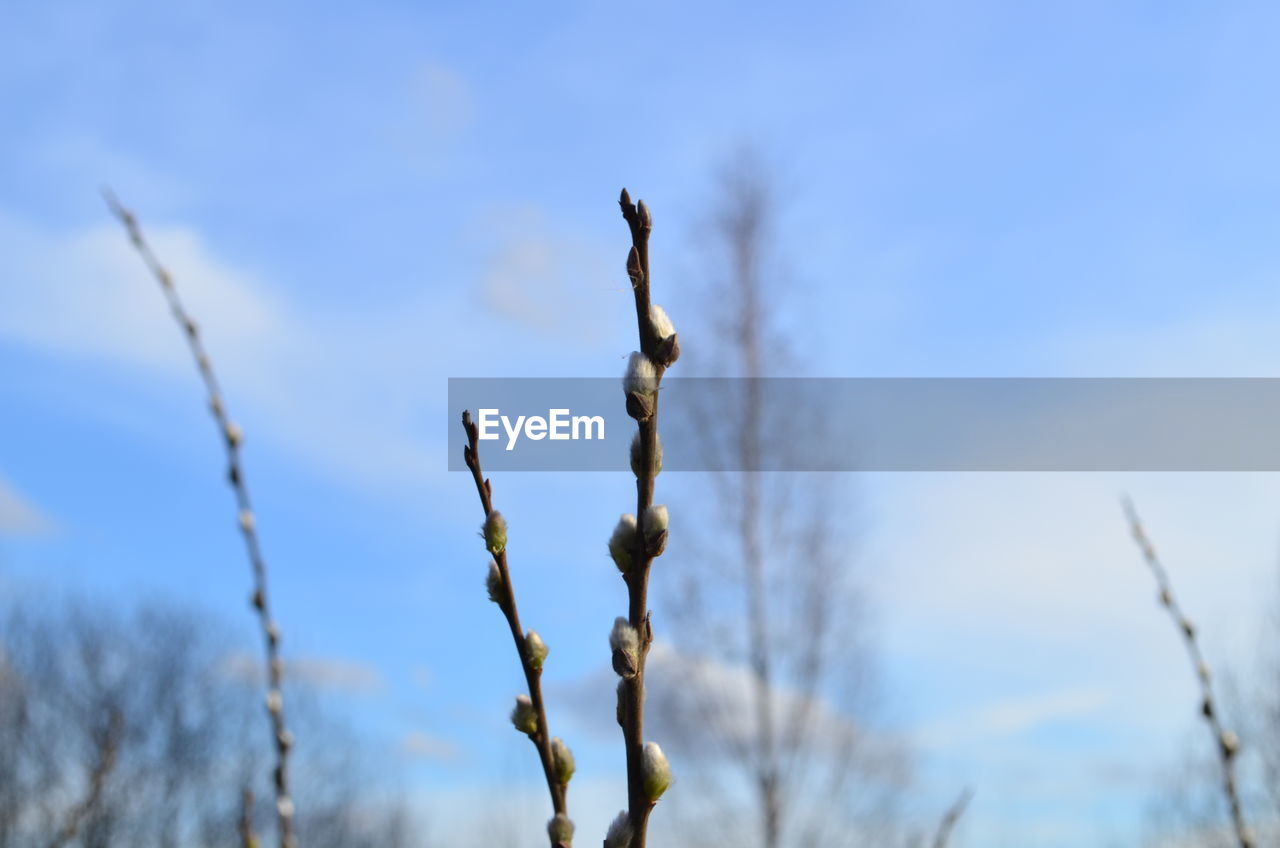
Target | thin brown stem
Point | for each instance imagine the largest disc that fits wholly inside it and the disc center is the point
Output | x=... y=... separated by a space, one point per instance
x=640 y=224
x=949 y=819
x=532 y=675
x=232 y=439
x=245 y=824
x=1225 y=742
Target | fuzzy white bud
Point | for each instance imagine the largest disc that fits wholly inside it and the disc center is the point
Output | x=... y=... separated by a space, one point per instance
x=625 y=642
x=655 y=522
x=560 y=829
x=536 y=649
x=1230 y=743
x=655 y=771
x=495 y=533
x=246 y=521
x=275 y=701
x=623 y=542
x=234 y=434
x=619 y=835
x=523 y=718
x=659 y=323
x=562 y=758
x=641 y=376
x=637 y=463
x=493 y=582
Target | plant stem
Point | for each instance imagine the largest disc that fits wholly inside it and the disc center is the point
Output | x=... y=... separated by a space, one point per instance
x=232 y=437
x=1223 y=740
x=637 y=577
x=533 y=677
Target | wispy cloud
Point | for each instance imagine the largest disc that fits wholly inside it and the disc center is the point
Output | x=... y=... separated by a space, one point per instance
x=445 y=98
x=422 y=745
x=543 y=279
x=1009 y=717
x=323 y=673
x=344 y=392
x=18 y=515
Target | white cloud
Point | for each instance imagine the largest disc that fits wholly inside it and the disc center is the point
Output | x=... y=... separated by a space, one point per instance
x=997 y=570
x=18 y=516
x=1009 y=717
x=445 y=100
x=353 y=390
x=322 y=673
x=1239 y=341
x=702 y=708
x=691 y=683
x=345 y=391
x=422 y=745
x=513 y=808
x=84 y=294
x=546 y=281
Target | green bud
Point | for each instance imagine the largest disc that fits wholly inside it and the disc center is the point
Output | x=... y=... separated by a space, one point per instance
x=523 y=718
x=536 y=649
x=560 y=829
x=655 y=771
x=623 y=542
x=495 y=533
x=637 y=464
x=562 y=758
x=493 y=582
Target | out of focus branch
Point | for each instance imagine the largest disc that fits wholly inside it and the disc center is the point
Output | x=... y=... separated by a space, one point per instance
x=952 y=816
x=232 y=438
x=108 y=750
x=1225 y=741
x=247 y=839
x=531 y=714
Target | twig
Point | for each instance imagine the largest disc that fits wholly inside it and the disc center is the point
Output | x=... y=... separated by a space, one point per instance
x=661 y=350
x=245 y=825
x=952 y=816
x=108 y=751
x=504 y=595
x=232 y=438
x=1226 y=742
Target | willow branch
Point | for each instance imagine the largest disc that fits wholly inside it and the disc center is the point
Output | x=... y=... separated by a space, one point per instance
x=232 y=439
x=953 y=814
x=661 y=352
x=506 y=600
x=245 y=824
x=1225 y=741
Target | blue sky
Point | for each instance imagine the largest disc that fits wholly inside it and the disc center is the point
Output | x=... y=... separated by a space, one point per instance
x=361 y=202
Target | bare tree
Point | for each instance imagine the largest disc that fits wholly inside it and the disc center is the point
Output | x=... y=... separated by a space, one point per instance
x=134 y=730
x=773 y=676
